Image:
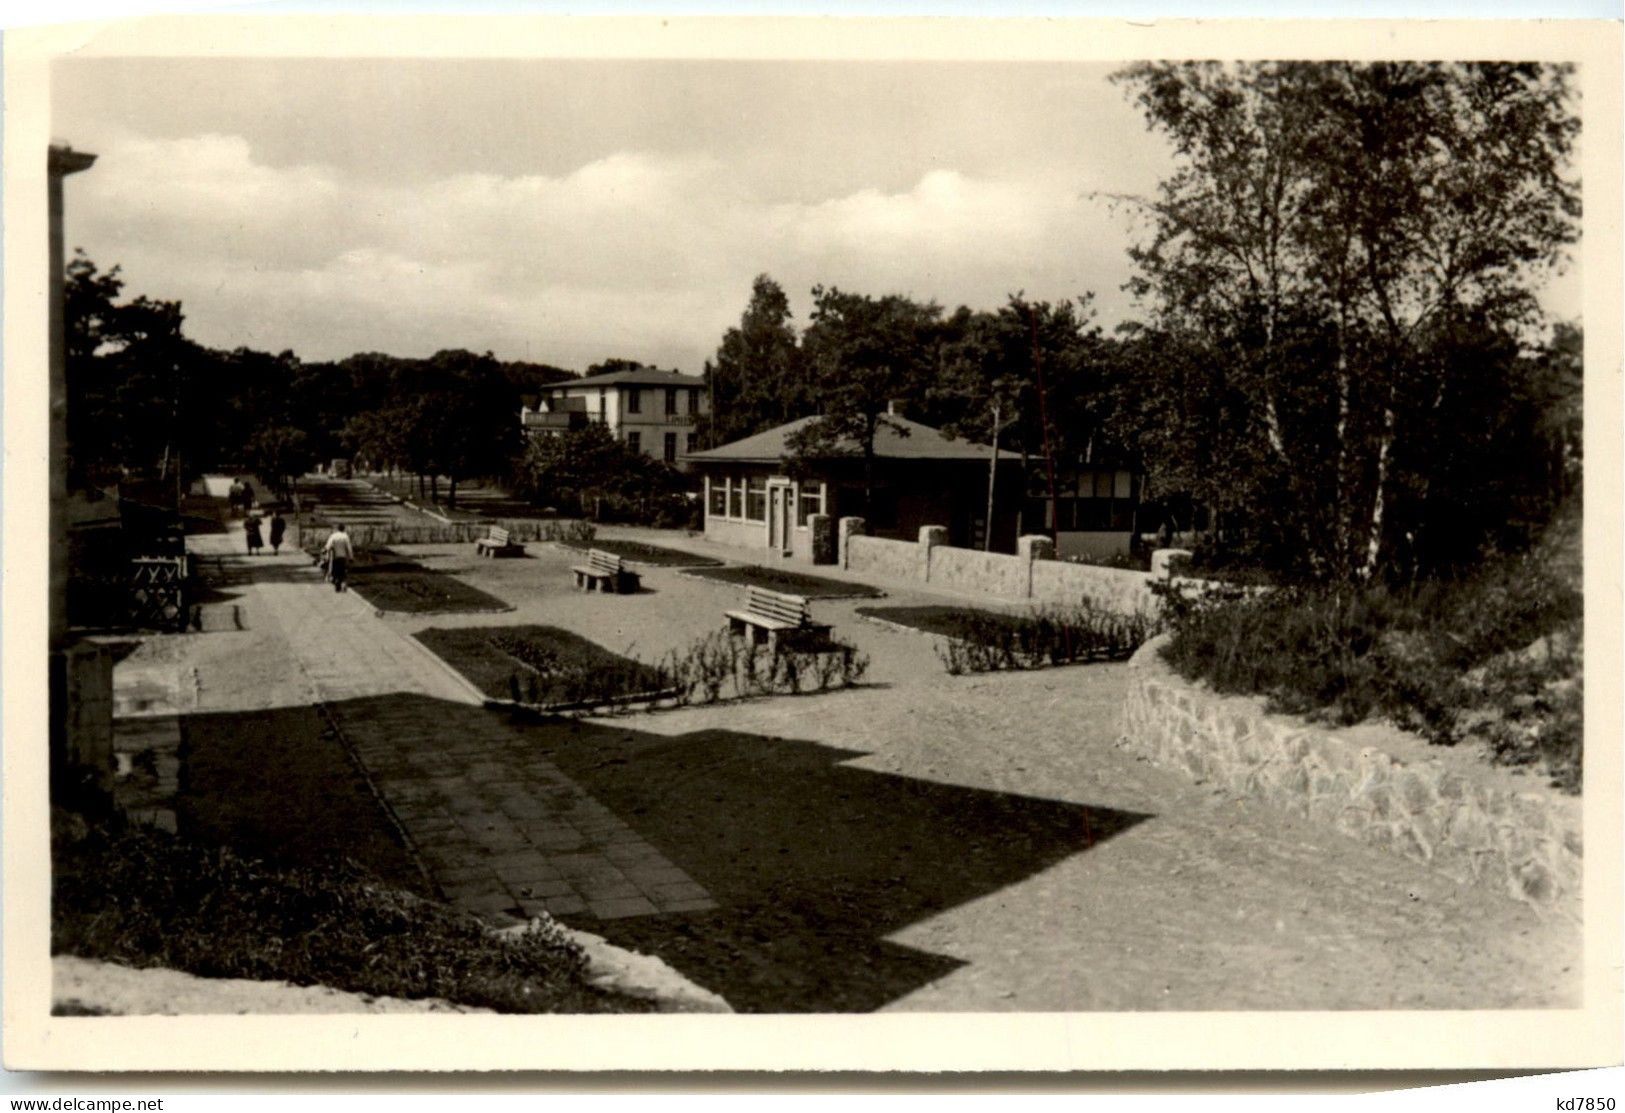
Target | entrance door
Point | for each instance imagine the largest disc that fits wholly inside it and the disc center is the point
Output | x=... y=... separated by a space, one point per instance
x=778 y=517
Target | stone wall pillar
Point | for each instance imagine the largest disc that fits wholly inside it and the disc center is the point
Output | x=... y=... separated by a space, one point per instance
x=1164 y=560
x=824 y=544
x=930 y=538
x=1031 y=547
x=848 y=529
x=81 y=698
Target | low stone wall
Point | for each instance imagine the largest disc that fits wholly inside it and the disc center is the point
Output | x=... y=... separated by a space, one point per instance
x=1028 y=574
x=519 y=529
x=876 y=556
x=1457 y=816
x=1116 y=589
x=971 y=570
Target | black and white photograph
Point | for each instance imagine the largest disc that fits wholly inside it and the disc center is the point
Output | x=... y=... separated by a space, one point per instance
x=742 y=528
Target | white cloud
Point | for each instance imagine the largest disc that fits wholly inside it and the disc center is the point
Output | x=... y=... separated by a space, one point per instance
x=635 y=254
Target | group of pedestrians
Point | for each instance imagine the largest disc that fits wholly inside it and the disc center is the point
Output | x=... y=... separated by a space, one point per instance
x=335 y=556
x=256 y=539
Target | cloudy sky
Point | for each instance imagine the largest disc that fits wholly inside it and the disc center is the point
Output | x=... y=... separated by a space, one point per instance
x=567 y=211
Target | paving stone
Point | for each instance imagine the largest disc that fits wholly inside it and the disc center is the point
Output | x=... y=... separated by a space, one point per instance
x=687 y=905
x=686 y=891
x=655 y=875
x=563 y=906
x=620 y=909
x=595 y=891
x=542 y=887
x=488 y=903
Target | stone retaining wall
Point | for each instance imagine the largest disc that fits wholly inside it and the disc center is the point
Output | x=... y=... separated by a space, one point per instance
x=1463 y=819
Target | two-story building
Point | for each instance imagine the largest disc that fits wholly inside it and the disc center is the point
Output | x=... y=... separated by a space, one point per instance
x=651 y=411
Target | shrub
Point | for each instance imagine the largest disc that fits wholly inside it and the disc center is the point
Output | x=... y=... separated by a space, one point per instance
x=145 y=898
x=1441 y=658
x=987 y=641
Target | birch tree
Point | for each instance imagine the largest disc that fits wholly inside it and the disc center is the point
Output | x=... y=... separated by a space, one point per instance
x=1329 y=226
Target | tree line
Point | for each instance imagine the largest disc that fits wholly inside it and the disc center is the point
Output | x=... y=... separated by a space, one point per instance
x=1338 y=360
x=1337 y=366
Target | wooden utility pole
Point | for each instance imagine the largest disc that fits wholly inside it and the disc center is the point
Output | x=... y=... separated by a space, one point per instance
x=1043 y=420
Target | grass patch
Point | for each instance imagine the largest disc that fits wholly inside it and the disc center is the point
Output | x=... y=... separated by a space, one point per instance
x=312 y=810
x=986 y=641
x=144 y=898
x=392 y=583
x=539 y=664
x=791 y=583
x=648 y=554
x=1495 y=657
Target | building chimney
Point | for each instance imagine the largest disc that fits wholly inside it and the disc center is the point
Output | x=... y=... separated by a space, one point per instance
x=894 y=407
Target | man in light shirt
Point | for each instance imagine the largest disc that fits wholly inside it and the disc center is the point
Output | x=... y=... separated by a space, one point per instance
x=338 y=551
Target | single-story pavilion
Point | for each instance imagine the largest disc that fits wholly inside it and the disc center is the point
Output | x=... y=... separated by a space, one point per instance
x=921 y=478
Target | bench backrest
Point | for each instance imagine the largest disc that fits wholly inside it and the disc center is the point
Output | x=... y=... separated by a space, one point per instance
x=777 y=605
x=499 y=537
x=600 y=561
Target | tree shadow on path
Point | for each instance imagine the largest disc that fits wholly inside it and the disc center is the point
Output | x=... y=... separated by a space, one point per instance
x=812 y=862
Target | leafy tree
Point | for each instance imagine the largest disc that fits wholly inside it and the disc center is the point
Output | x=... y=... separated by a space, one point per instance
x=610 y=366
x=131 y=376
x=756 y=379
x=465 y=422
x=1333 y=233
x=585 y=468
x=1032 y=376
x=864 y=353
x=280 y=454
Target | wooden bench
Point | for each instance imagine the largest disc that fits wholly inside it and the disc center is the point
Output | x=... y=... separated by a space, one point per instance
x=605 y=572
x=498 y=543
x=775 y=614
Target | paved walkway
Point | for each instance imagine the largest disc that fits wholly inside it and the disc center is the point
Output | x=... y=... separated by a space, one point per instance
x=927 y=842
x=500 y=829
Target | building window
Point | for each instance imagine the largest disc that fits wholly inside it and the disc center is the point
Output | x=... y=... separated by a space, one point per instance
x=736 y=498
x=634 y=401
x=671 y=400
x=717 y=507
x=810 y=502
x=634 y=442
x=693 y=401
x=693 y=443
x=603 y=405
x=1099 y=501
x=671 y=448
x=756 y=498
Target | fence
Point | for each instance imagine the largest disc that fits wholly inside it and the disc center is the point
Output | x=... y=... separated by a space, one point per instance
x=519 y=530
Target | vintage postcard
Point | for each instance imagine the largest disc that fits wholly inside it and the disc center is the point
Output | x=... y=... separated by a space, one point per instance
x=581 y=544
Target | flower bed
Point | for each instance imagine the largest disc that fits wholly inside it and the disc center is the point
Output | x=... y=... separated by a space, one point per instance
x=647 y=554
x=986 y=641
x=792 y=583
x=392 y=583
x=540 y=665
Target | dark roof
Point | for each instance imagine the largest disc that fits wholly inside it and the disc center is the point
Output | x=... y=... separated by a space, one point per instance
x=921 y=443
x=642 y=376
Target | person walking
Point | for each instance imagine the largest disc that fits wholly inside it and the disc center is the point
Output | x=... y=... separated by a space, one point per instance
x=338 y=552
x=279 y=526
x=251 y=527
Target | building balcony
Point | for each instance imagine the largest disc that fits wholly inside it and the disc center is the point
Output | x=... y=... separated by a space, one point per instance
x=553 y=422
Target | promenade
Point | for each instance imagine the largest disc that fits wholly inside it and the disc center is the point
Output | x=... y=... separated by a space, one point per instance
x=925 y=842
